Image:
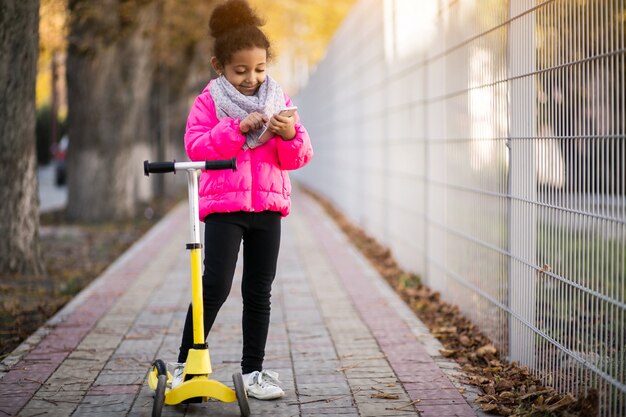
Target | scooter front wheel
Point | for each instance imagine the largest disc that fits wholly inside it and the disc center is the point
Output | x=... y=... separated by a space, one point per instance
x=159 y=392
x=242 y=396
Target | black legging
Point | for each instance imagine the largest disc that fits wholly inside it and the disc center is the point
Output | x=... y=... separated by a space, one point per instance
x=261 y=241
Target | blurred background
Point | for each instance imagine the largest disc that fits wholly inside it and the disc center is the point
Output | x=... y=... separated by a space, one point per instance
x=130 y=70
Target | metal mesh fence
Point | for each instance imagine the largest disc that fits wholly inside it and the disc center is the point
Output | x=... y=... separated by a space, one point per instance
x=484 y=143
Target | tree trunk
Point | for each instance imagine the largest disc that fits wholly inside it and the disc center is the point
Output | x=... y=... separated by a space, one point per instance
x=182 y=52
x=178 y=81
x=110 y=67
x=19 y=208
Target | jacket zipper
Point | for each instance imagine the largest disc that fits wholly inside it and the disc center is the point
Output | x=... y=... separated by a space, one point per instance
x=251 y=179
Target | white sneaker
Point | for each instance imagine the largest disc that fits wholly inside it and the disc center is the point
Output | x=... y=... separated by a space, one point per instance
x=263 y=385
x=177 y=374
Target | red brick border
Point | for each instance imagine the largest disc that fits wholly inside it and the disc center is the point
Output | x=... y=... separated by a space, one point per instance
x=415 y=368
x=24 y=379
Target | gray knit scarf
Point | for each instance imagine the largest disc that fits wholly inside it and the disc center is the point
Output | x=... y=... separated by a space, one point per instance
x=229 y=102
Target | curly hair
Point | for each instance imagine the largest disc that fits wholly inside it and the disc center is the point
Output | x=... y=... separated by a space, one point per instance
x=235 y=26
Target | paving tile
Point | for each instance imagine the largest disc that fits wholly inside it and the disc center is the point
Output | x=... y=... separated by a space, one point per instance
x=337 y=336
x=12 y=403
x=330 y=411
x=445 y=410
x=114 y=389
x=105 y=405
x=438 y=394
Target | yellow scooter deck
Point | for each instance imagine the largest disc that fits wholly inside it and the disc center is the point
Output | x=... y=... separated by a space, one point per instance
x=196 y=387
x=199 y=385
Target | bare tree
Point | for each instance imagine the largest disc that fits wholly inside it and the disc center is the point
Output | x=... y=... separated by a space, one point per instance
x=19 y=207
x=110 y=67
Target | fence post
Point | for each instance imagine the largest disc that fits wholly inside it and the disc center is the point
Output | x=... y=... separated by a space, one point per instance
x=522 y=188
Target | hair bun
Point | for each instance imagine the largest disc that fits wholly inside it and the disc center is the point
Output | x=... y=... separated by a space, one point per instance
x=231 y=16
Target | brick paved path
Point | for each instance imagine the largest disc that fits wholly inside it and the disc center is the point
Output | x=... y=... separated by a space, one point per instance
x=340 y=338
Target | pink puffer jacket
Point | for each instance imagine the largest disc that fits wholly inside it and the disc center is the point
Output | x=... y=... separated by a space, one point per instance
x=261 y=181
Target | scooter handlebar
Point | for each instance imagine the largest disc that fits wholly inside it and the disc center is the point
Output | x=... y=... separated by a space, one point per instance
x=158 y=167
x=221 y=164
x=167 y=166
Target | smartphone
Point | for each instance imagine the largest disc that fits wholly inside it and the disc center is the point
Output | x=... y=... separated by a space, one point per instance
x=267 y=134
x=289 y=111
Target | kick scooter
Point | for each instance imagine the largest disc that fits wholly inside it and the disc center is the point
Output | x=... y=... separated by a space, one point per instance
x=196 y=385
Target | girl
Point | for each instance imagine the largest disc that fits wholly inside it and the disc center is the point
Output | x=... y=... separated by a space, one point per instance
x=226 y=121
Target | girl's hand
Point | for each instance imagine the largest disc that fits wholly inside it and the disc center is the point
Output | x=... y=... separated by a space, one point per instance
x=252 y=122
x=283 y=126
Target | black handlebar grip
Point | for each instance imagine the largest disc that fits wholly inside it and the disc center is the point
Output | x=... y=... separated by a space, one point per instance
x=157 y=167
x=222 y=164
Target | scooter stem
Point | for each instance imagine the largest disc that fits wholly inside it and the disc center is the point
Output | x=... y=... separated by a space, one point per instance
x=195 y=250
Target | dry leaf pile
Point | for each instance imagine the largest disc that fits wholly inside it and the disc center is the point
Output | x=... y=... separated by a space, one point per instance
x=509 y=389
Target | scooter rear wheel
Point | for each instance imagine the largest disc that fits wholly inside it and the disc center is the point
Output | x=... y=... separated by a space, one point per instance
x=159 y=396
x=242 y=396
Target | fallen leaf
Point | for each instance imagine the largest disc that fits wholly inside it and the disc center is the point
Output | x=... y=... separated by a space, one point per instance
x=465 y=341
x=444 y=330
x=447 y=353
x=506 y=394
x=534 y=393
x=505 y=411
x=486 y=350
x=562 y=403
x=489 y=407
x=385 y=396
x=504 y=385
x=486 y=399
